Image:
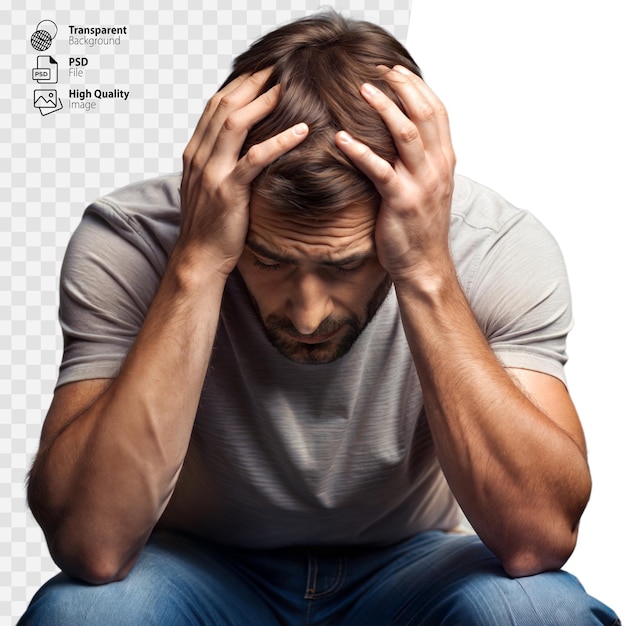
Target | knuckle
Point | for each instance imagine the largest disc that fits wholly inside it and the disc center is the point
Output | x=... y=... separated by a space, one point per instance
x=188 y=155
x=426 y=111
x=398 y=76
x=386 y=177
x=206 y=178
x=258 y=78
x=441 y=110
x=254 y=156
x=385 y=173
x=269 y=98
x=409 y=133
x=282 y=142
x=225 y=102
x=429 y=187
x=194 y=165
x=196 y=162
x=232 y=122
x=213 y=103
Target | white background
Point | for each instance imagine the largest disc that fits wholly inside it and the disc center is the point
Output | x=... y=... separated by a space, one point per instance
x=536 y=100
x=535 y=93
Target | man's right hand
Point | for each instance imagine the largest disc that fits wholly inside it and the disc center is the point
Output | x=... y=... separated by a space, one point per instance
x=215 y=188
x=112 y=450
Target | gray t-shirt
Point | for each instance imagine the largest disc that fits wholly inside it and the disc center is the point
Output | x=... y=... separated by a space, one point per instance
x=282 y=453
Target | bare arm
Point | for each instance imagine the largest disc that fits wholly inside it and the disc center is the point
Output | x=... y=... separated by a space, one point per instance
x=111 y=451
x=510 y=443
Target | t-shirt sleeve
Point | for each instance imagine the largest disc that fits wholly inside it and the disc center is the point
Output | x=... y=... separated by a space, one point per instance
x=109 y=276
x=521 y=296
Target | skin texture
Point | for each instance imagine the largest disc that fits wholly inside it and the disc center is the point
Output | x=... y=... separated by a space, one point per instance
x=504 y=438
x=315 y=284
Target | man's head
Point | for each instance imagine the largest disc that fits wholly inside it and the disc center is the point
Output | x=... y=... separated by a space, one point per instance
x=320 y=63
x=310 y=262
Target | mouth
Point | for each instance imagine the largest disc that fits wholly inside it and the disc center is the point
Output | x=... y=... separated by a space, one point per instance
x=314 y=339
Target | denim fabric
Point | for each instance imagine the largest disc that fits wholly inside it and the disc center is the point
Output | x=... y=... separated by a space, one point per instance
x=433 y=578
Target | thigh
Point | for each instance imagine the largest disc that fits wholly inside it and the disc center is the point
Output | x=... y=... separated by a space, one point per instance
x=176 y=581
x=447 y=579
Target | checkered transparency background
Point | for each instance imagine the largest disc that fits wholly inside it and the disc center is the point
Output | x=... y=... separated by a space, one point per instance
x=171 y=61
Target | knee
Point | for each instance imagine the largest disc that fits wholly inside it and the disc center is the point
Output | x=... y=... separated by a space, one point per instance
x=554 y=598
x=67 y=602
x=61 y=601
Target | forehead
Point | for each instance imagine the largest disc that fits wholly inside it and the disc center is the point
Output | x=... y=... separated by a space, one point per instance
x=347 y=231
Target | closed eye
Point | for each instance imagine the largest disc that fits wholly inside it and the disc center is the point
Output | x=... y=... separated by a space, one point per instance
x=350 y=267
x=267 y=266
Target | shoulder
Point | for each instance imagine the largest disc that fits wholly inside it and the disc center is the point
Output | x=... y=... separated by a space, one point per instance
x=111 y=270
x=490 y=234
x=478 y=211
x=514 y=277
x=138 y=220
x=159 y=193
x=132 y=227
x=147 y=211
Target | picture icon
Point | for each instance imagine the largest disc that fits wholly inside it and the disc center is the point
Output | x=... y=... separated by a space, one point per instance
x=46 y=101
x=42 y=38
x=45 y=98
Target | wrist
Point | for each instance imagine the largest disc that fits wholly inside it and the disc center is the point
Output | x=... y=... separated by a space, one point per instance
x=197 y=268
x=203 y=261
x=427 y=278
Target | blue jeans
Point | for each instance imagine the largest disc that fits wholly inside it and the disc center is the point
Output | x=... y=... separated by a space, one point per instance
x=433 y=578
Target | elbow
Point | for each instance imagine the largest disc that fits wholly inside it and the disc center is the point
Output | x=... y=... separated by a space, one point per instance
x=529 y=560
x=89 y=558
x=94 y=569
x=74 y=557
x=546 y=542
x=92 y=573
x=95 y=565
x=530 y=563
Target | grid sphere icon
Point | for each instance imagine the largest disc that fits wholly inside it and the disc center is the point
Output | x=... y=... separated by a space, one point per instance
x=49 y=26
x=41 y=40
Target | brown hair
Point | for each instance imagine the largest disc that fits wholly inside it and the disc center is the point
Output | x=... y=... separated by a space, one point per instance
x=320 y=63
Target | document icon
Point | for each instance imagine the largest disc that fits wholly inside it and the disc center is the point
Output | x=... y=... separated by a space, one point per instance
x=47 y=70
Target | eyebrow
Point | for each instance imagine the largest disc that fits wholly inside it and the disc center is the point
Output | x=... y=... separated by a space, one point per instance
x=281 y=257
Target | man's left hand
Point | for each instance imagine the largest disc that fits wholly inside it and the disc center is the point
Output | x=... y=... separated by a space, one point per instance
x=416 y=191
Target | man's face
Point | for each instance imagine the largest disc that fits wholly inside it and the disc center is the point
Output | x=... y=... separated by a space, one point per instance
x=315 y=282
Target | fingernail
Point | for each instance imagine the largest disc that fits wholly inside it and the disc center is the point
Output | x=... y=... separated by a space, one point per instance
x=300 y=129
x=343 y=137
x=402 y=70
x=369 y=90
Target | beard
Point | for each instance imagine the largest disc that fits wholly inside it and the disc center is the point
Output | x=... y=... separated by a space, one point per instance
x=343 y=332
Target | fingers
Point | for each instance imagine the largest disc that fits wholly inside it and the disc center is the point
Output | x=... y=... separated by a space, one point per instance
x=377 y=169
x=421 y=105
x=236 y=95
x=237 y=124
x=261 y=155
x=422 y=129
x=212 y=155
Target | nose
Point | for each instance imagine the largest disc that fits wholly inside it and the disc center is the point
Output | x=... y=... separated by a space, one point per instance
x=310 y=302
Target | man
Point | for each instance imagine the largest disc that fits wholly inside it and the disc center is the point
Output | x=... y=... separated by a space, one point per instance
x=277 y=387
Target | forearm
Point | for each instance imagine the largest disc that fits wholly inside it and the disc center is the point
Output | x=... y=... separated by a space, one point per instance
x=103 y=477
x=518 y=469
x=101 y=483
x=520 y=478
